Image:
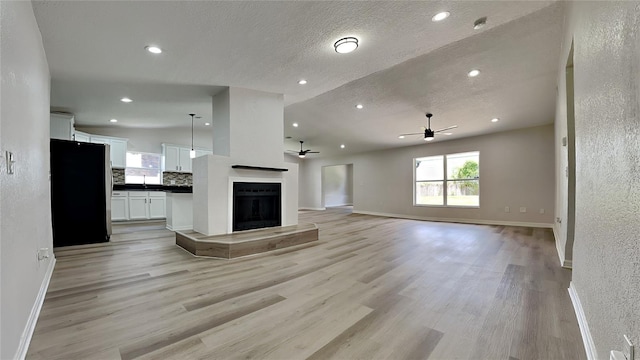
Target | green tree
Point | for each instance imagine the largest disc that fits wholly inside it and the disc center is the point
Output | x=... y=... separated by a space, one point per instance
x=469 y=170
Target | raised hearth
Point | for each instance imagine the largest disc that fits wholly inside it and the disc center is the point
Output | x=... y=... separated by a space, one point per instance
x=245 y=243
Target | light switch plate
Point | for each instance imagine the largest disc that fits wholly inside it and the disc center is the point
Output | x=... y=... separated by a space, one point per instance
x=523 y=209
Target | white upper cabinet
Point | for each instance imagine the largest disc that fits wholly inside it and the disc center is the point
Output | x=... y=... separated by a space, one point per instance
x=185 y=160
x=61 y=126
x=177 y=158
x=118 y=149
x=81 y=137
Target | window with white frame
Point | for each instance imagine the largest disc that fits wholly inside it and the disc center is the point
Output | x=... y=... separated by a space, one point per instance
x=143 y=168
x=448 y=180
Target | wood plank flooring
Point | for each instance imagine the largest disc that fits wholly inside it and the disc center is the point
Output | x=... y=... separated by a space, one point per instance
x=370 y=288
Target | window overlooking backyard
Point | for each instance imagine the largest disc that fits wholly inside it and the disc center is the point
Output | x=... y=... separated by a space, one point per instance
x=448 y=180
x=143 y=168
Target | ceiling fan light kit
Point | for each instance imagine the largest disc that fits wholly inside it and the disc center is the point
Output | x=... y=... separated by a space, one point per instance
x=303 y=153
x=429 y=135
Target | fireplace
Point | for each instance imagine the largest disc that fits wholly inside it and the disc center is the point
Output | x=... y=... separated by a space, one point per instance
x=256 y=205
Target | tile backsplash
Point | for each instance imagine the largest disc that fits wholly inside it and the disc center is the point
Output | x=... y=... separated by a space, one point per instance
x=118 y=176
x=178 y=178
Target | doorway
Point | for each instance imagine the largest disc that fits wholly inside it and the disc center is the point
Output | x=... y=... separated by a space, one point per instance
x=337 y=185
x=569 y=162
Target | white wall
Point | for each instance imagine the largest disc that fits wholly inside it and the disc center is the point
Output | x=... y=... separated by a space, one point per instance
x=337 y=185
x=516 y=170
x=25 y=223
x=150 y=140
x=606 y=249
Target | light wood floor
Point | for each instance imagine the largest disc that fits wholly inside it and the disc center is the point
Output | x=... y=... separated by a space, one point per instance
x=371 y=288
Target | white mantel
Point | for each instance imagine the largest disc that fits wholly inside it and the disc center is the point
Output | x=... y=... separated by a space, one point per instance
x=248 y=129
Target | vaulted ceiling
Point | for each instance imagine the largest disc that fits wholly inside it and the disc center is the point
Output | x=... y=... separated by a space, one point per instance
x=406 y=64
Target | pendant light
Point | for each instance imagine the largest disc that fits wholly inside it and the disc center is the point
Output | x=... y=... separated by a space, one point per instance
x=192 y=153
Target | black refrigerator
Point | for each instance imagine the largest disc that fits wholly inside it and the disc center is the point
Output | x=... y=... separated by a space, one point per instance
x=81 y=186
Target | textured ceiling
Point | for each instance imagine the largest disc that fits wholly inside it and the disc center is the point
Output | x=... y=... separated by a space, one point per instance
x=406 y=63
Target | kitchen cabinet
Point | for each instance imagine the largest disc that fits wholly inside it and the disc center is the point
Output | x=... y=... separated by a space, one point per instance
x=61 y=126
x=157 y=205
x=144 y=205
x=138 y=205
x=176 y=158
x=119 y=206
x=81 y=136
x=117 y=146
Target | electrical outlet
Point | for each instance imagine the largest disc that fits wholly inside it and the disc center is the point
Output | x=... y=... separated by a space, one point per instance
x=628 y=348
x=523 y=209
x=541 y=211
x=43 y=253
x=506 y=209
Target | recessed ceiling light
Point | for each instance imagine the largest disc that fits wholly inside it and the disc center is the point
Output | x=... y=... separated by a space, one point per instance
x=126 y=100
x=480 y=23
x=401 y=137
x=346 y=45
x=295 y=124
x=428 y=139
x=440 y=16
x=153 y=49
x=495 y=120
x=448 y=134
x=342 y=146
x=302 y=82
x=114 y=120
x=359 y=106
x=207 y=124
x=474 y=73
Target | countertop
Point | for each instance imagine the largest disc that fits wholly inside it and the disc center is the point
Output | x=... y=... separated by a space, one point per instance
x=150 y=187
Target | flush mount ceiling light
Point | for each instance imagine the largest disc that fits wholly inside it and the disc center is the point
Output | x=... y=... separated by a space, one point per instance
x=474 y=73
x=153 y=49
x=342 y=146
x=346 y=45
x=126 y=100
x=359 y=106
x=495 y=120
x=302 y=82
x=480 y=23
x=440 y=16
x=114 y=120
x=294 y=124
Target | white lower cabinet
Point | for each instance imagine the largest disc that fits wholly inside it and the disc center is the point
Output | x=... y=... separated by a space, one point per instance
x=157 y=205
x=120 y=205
x=138 y=205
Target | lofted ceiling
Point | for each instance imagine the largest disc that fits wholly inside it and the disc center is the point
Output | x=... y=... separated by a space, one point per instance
x=405 y=65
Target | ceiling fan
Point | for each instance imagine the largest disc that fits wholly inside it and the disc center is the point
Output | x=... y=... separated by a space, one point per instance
x=428 y=133
x=303 y=153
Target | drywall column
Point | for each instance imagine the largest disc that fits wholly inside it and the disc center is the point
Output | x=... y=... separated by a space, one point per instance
x=248 y=130
x=606 y=249
x=25 y=202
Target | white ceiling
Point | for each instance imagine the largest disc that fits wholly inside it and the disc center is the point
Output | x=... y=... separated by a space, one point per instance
x=405 y=65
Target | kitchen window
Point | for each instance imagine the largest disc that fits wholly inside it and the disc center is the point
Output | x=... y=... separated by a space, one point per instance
x=143 y=168
x=448 y=180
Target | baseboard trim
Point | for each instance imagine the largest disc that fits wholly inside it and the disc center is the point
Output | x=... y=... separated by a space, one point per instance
x=456 y=220
x=311 y=208
x=27 y=333
x=563 y=261
x=589 y=345
x=179 y=228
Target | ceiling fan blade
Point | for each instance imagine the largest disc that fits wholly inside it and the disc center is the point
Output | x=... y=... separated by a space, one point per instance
x=313 y=152
x=447 y=128
x=293 y=151
x=420 y=133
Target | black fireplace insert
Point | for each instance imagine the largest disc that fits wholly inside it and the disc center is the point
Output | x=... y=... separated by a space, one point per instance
x=256 y=205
